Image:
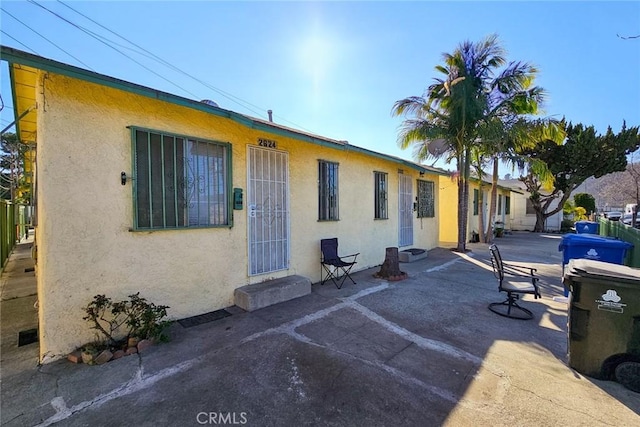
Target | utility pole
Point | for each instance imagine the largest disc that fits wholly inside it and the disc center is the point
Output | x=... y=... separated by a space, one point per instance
x=12 y=171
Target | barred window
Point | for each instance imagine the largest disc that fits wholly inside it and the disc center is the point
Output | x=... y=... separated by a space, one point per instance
x=180 y=181
x=507 y=205
x=327 y=191
x=380 y=196
x=426 y=199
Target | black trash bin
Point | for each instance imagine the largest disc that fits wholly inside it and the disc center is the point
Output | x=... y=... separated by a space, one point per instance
x=604 y=319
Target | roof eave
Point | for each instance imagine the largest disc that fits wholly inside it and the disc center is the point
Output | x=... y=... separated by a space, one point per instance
x=15 y=56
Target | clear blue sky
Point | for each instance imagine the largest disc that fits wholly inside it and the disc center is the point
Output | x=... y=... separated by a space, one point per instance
x=336 y=68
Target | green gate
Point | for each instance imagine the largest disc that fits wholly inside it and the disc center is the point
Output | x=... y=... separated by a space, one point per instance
x=624 y=232
x=13 y=227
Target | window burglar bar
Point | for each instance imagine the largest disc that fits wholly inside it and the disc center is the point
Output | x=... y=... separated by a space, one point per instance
x=180 y=182
x=405 y=201
x=327 y=191
x=426 y=208
x=380 y=195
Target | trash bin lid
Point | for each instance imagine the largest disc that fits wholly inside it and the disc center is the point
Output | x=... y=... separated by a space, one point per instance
x=592 y=239
x=598 y=269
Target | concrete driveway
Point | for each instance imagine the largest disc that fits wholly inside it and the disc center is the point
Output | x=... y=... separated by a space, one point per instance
x=424 y=351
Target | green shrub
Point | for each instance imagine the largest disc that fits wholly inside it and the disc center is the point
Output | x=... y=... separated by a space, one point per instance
x=135 y=317
x=566 y=225
x=580 y=214
x=586 y=201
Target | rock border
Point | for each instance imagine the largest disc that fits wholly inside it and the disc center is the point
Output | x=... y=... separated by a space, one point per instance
x=105 y=356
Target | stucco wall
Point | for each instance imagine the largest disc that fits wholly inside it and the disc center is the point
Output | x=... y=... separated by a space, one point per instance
x=84 y=213
x=448 y=213
x=522 y=221
x=474 y=220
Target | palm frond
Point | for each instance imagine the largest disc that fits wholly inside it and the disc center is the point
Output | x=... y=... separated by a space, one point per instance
x=408 y=106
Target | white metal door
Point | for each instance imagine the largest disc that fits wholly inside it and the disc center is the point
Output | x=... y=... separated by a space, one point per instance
x=268 y=210
x=405 y=210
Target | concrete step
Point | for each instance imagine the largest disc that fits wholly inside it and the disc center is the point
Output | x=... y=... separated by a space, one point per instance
x=254 y=297
x=411 y=255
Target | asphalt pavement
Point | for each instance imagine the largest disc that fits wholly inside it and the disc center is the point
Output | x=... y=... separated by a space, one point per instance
x=424 y=351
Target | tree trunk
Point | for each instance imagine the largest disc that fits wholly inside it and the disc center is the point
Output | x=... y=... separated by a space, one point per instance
x=540 y=220
x=391 y=265
x=465 y=200
x=481 y=211
x=542 y=203
x=494 y=199
x=461 y=231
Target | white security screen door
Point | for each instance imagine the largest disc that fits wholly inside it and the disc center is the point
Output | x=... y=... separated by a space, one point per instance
x=268 y=210
x=405 y=210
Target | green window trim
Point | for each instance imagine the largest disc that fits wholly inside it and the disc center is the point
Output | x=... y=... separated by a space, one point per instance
x=179 y=181
x=507 y=205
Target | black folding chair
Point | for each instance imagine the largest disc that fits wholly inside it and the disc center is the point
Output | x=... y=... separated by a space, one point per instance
x=514 y=280
x=334 y=267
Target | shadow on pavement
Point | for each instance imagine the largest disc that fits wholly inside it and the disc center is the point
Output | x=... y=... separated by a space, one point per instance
x=422 y=351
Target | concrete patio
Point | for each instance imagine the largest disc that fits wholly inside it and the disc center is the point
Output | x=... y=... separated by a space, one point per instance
x=424 y=351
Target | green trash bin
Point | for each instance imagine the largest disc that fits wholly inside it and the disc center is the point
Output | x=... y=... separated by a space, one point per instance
x=604 y=319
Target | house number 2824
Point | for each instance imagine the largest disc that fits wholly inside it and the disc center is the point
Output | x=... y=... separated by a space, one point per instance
x=270 y=143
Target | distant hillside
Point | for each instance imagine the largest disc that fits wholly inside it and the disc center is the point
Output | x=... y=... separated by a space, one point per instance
x=613 y=191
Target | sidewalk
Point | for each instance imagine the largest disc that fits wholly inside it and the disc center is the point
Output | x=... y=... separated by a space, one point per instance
x=423 y=351
x=17 y=310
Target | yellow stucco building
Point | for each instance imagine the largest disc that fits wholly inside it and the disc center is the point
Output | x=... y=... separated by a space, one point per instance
x=448 y=208
x=139 y=190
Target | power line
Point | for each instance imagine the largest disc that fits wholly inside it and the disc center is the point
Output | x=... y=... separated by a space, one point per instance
x=227 y=95
x=18 y=41
x=107 y=42
x=47 y=39
x=151 y=55
x=628 y=37
x=108 y=45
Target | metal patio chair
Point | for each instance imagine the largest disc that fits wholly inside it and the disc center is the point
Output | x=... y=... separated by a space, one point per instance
x=515 y=281
x=333 y=265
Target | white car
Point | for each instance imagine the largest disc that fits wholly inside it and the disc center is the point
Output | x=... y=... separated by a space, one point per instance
x=613 y=216
x=626 y=219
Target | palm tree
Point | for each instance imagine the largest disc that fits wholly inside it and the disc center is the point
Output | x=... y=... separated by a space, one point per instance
x=506 y=137
x=507 y=128
x=457 y=107
x=479 y=158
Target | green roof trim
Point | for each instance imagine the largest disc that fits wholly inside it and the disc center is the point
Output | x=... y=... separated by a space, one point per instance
x=17 y=56
x=16 y=113
x=490 y=184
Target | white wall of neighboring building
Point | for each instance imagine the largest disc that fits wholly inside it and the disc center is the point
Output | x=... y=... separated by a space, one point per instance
x=520 y=220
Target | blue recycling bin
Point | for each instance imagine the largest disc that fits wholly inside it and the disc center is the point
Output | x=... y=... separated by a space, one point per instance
x=587 y=227
x=589 y=246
